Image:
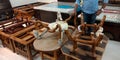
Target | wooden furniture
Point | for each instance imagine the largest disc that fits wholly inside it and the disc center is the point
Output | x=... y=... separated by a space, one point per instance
x=52 y=40
x=48 y=43
x=95 y=26
x=95 y=37
x=93 y=40
x=6 y=40
x=9 y=27
x=15 y=34
x=22 y=42
x=83 y=51
x=14 y=25
x=25 y=13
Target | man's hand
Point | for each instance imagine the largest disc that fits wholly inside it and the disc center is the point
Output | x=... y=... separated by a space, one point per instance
x=74 y=13
x=99 y=12
x=102 y=8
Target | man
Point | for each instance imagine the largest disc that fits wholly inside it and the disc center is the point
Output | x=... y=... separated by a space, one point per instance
x=90 y=10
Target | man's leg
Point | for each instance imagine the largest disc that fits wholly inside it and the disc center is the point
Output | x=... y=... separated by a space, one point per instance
x=92 y=21
x=89 y=19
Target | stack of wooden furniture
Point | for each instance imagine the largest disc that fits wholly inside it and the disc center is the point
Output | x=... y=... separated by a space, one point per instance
x=79 y=36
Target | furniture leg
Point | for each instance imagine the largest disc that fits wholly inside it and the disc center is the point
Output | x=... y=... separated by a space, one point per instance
x=66 y=57
x=29 y=53
x=55 y=55
x=41 y=54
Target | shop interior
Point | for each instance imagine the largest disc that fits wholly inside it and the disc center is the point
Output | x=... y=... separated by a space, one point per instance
x=45 y=30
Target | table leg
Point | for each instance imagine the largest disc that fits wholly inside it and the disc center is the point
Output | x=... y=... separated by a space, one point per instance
x=66 y=57
x=41 y=54
x=55 y=55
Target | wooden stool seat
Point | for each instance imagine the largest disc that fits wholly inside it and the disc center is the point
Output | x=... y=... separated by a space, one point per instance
x=49 y=42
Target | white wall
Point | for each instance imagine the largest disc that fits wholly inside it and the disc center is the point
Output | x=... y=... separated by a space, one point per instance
x=15 y=3
x=47 y=1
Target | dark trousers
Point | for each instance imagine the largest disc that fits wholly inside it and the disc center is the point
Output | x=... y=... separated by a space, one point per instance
x=89 y=19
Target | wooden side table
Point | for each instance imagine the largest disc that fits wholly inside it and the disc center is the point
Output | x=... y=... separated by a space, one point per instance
x=49 y=43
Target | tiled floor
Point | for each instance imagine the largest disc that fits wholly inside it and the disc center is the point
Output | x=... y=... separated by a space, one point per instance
x=111 y=53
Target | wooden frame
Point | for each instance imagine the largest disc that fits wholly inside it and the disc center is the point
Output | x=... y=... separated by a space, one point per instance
x=92 y=40
x=13 y=40
x=7 y=28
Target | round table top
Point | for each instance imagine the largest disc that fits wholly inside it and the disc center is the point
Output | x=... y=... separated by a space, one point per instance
x=49 y=42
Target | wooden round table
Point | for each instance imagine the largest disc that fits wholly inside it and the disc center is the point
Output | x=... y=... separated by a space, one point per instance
x=48 y=43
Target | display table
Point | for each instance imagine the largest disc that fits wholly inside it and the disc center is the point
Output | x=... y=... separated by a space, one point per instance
x=112 y=22
x=48 y=12
x=112 y=17
x=62 y=7
x=48 y=43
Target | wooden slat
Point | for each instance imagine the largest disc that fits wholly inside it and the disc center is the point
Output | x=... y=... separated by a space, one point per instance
x=27 y=37
x=24 y=30
x=16 y=24
x=30 y=41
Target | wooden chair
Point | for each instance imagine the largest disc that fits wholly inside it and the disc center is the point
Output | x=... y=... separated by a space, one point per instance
x=95 y=37
x=22 y=42
x=16 y=37
x=71 y=52
x=78 y=36
x=84 y=26
x=9 y=27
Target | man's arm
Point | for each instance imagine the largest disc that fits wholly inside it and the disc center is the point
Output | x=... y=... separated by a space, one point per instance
x=77 y=2
x=75 y=9
x=103 y=7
